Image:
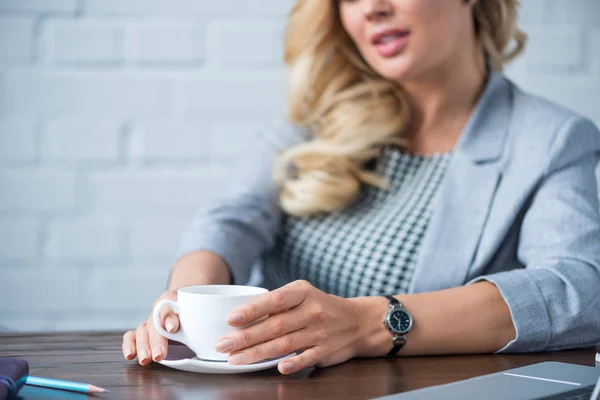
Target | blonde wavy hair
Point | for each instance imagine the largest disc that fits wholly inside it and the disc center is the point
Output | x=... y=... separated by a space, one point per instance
x=350 y=110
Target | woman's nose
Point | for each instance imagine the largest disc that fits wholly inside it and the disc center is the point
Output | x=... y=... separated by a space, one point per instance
x=377 y=9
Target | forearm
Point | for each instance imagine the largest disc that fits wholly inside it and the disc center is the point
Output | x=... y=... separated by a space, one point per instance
x=199 y=268
x=467 y=319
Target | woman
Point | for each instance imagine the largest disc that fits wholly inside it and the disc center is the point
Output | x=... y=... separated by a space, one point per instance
x=410 y=167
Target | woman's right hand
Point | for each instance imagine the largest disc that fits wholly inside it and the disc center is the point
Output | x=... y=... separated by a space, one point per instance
x=145 y=342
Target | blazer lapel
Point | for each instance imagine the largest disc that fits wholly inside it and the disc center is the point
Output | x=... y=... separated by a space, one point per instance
x=463 y=202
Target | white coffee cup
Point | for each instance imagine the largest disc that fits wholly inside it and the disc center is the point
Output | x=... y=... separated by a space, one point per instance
x=203 y=312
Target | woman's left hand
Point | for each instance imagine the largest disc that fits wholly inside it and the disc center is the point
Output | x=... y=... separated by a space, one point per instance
x=299 y=317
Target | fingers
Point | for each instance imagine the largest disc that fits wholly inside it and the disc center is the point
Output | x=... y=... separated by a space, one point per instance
x=158 y=344
x=143 y=344
x=146 y=342
x=271 y=328
x=274 y=348
x=128 y=346
x=294 y=364
x=168 y=319
x=288 y=296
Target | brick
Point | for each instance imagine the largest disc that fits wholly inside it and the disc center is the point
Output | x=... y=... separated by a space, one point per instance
x=557 y=49
x=270 y=7
x=152 y=190
x=115 y=320
x=16 y=39
x=533 y=12
x=84 y=42
x=161 y=7
x=86 y=93
x=17 y=140
x=229 y=139
x=130 y=289
x=85 y=239
x=516 y=70
x=594 y=52
x=36 y=190
x=19 y=238
x=81 y=140
x=248 y=92
x=574 y=12
x=40 y=290
x=199 y=141
x=165 y=42
x=39 y=5
x=573 y=92
x=26 y=323
x=247 y=42
x=165 y=141
x=157 y=237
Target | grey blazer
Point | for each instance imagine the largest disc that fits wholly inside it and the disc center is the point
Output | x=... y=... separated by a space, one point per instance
x=518 y=207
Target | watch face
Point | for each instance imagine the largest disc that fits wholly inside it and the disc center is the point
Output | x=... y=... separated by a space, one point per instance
x=399 y=321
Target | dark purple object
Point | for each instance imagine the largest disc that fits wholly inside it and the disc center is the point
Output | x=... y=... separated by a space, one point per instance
x=13 y=372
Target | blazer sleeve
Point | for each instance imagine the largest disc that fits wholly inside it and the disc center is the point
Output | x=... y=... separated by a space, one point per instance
x=244 y=220
x=555 y=300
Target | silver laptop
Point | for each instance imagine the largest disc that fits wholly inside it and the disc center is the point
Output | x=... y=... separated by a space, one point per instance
x=547 y=380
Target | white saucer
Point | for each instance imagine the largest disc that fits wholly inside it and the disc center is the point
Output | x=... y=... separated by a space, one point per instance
x=198 y=365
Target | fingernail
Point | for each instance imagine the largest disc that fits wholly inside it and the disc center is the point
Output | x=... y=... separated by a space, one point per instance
x=142 y=355
x=224 y=345
x=237 y=358
x=128 y=352
x=156 y=351
x=235 y=318
x=170 y=325
x=287 y=367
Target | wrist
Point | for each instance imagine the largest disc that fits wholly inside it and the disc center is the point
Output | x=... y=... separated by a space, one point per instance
x=373 y=339
x=199 y=268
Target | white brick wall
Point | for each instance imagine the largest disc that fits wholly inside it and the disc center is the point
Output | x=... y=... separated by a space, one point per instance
x=167 y=43
x=39 y=6
x=107 y=93
x=16 y=39
x=119 y=117
x=150 y=190
x=37 y=190
x=542 y=54
x=84 y=42
x=98 y=239
x=17 y=139
x=85 y=141
x=177 y=8
x=168 y=141
x=245 y=42
x=19 y=238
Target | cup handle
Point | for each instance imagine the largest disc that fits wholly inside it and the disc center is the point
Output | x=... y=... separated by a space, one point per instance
x=177 y=336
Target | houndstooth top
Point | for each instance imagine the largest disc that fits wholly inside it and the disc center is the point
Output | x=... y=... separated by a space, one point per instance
x=371 y=247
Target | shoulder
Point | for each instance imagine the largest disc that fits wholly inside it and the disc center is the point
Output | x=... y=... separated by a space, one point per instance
x=545 y=130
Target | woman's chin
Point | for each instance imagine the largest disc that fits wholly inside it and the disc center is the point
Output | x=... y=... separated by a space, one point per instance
x=395 y=74
x=395 y=70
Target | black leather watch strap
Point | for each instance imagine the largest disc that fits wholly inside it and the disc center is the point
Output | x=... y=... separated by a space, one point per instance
x=399 y=342
x=393 y=301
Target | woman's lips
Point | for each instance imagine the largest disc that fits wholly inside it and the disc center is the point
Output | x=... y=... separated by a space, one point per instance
x=391 y=47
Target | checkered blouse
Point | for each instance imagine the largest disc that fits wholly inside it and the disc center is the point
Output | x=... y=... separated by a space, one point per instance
x=371 y=247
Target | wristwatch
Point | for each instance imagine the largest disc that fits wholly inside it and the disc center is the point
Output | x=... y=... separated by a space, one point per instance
x=399 y=322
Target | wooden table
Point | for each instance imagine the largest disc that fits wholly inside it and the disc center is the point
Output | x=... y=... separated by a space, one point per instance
x=96 y=358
